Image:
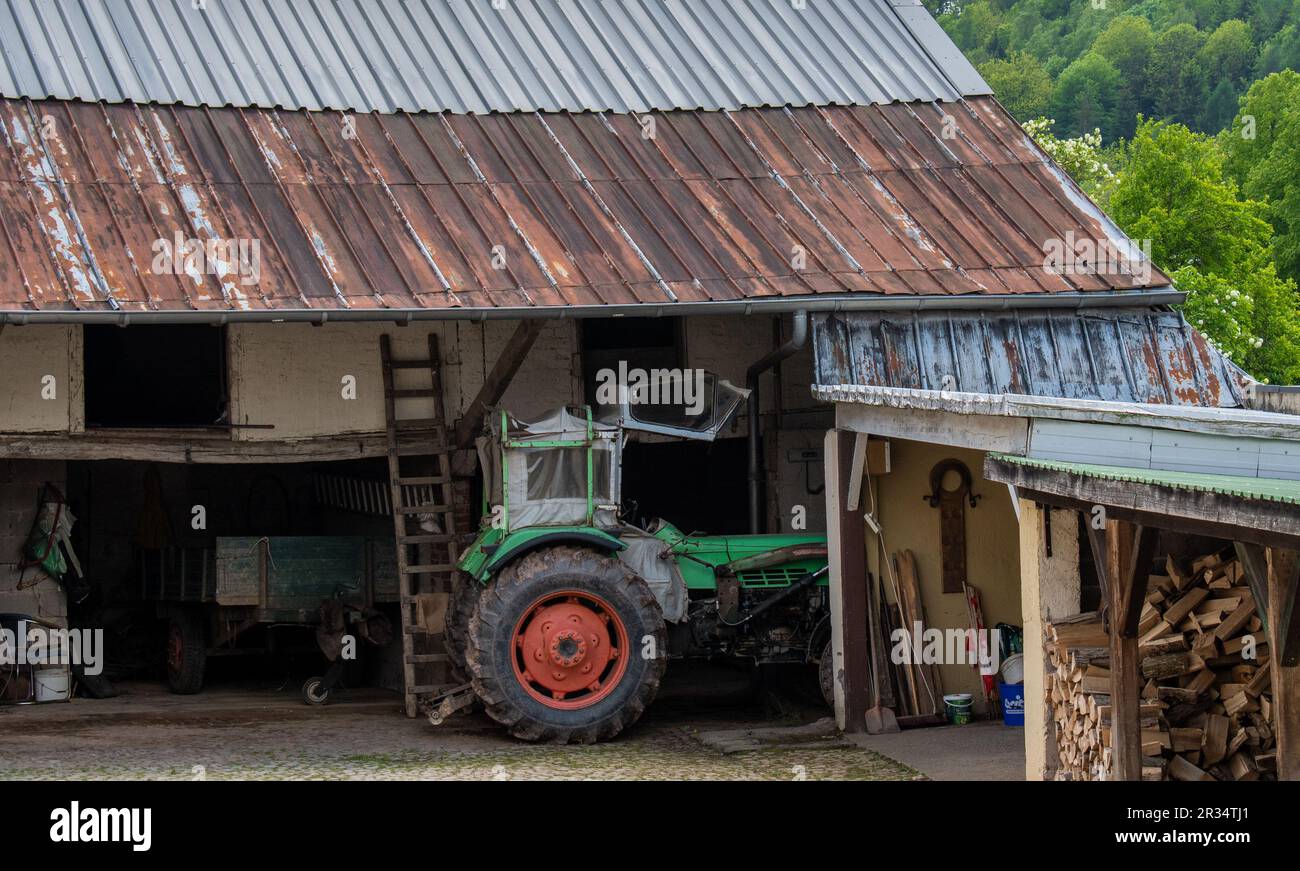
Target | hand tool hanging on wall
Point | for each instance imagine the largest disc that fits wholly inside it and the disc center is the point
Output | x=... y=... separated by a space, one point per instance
x=952 y=520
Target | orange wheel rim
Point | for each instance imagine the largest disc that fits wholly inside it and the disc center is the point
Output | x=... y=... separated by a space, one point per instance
x=570 y=649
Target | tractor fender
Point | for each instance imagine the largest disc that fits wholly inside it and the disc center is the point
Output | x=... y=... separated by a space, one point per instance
x=516 y=545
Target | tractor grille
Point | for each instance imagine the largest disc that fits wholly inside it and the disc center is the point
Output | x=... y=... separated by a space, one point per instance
x=776 y=576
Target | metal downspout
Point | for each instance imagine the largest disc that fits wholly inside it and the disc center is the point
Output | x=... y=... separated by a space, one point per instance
x=798 y=338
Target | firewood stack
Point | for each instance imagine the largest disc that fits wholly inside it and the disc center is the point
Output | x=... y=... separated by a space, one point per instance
x=1206 y=706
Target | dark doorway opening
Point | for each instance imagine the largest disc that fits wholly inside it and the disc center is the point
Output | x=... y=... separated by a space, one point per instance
x=638 y=343
x=155 y=376
x=696 y=486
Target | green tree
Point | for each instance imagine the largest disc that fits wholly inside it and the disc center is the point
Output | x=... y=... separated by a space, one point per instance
x=1086 y=94
x=1229 y=53
x=1217 y=247
x=1281 y=52
x=1175 y=192
x=1263 y=154
x=1220 y=108
x=1259 y=119
x=1020 y=83
x=1173 y=71
x=1128 y=42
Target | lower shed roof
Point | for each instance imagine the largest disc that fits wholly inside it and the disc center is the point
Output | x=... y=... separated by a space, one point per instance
x=1258 y=510
x=441 y=212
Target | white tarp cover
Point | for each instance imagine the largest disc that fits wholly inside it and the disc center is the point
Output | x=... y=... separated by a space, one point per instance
x=547 y=486
x=642 y=555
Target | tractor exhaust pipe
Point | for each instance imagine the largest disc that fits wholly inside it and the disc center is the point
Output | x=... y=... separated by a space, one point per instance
x=798 y=338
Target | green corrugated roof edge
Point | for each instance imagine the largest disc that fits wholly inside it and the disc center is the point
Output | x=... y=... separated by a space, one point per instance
x=1266 y=489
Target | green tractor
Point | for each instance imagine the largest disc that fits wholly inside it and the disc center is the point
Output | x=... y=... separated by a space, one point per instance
x=569 y=614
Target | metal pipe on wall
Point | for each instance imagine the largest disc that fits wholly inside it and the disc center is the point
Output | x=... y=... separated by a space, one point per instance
x=798 y=338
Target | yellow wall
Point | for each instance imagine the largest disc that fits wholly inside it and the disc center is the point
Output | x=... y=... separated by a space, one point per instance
x=27 y=356
x=992 y=547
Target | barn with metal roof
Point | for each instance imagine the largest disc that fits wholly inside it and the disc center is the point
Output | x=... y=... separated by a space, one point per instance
x=240 y=238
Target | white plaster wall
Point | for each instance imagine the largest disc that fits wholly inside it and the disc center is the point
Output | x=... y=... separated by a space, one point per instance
x=27 y=356
x=291 y=375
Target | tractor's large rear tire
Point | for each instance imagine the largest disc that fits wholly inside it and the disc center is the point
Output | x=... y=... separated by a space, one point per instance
x=459 y=612
x=566 y=645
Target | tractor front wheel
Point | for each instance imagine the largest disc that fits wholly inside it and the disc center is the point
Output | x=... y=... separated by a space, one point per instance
x=566 y=645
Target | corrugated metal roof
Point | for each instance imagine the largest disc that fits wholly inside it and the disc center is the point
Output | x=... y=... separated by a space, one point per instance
x=1135 y=355
x=1259 y=489
x=440 y=211
x=470 y=56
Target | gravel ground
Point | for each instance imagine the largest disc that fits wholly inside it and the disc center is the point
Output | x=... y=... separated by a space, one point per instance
x=271 y=738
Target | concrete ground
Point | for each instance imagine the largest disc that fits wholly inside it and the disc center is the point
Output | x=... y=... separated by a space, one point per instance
x=978 y=751
x=699 y=729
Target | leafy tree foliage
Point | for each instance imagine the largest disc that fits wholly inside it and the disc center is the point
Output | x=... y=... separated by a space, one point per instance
x=1199 y=104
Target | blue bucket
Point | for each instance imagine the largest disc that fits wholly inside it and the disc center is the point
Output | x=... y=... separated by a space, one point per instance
x=1013 y=703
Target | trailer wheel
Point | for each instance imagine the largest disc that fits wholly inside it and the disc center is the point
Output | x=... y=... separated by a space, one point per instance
x=187 y=652
x=567 y=646
x=314 y=691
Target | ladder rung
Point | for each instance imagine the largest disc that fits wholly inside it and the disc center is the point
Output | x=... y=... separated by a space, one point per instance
x=409 y=423
x=410 y=364
x=425 y=450
x=431 y=569
x=425 y=509
x=411 y=393
x=416 y=658
x=429 y=538
x=434 y=479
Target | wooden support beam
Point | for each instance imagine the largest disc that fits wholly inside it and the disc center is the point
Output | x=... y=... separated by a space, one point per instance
x=1137 y=573
x=1097 y=542
x=1284 y=633
x=494 y=386
x=849 y=594
x=1254 y=563
x=1129 y=549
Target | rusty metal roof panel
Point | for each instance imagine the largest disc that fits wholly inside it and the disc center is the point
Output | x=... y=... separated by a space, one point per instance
x=471 y=56
x=439 y=211
x=1134 y=355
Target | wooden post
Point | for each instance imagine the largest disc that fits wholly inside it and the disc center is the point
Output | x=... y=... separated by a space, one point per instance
x=494 y=386
x=1284 y=638
x=1129 y=549
x=847 y=548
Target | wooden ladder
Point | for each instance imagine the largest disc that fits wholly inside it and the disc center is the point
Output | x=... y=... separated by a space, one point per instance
x=426 y=561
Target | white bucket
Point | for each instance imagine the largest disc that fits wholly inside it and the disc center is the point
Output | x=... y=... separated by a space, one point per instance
x=1013 y=669
x=53 y=683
